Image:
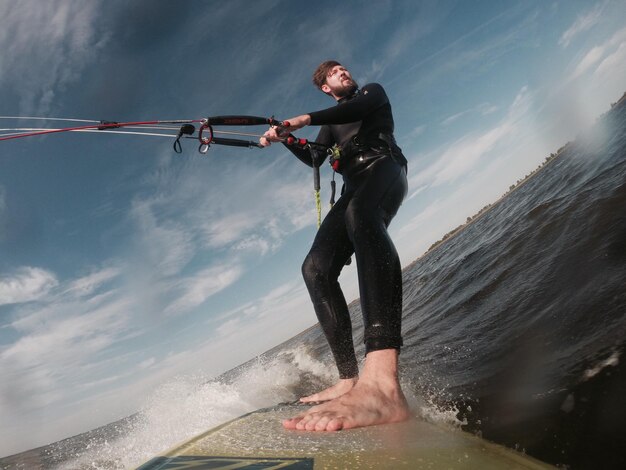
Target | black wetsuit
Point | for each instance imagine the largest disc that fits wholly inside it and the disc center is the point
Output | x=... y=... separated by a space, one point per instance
x=374 y=174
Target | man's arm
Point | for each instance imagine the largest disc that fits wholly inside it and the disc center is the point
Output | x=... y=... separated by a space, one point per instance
x=371 y=97
x=304 y=155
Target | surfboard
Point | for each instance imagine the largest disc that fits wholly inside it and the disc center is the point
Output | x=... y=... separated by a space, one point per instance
x=257 y=440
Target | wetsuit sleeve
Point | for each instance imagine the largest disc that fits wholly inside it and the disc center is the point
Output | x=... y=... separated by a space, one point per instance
x=370 y=98
x=304 y=155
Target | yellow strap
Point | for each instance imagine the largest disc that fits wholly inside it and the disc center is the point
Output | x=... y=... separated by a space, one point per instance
x=318 y=206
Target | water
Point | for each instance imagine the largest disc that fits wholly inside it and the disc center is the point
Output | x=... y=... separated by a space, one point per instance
x=520 y=320
x=514 y=329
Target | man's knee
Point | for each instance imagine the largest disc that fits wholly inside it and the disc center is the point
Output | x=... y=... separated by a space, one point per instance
x=317 y=269
x=310 y=270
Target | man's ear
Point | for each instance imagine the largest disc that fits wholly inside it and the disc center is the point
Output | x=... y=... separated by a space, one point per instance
x=325 y=88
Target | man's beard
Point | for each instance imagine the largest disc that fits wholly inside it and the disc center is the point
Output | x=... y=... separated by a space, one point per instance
x=342 y=90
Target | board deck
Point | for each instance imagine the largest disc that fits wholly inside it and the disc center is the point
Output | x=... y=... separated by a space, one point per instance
x=257 y=440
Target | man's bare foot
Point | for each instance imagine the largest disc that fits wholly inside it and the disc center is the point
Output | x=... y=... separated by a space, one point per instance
x=340 y=388
x=375 y=399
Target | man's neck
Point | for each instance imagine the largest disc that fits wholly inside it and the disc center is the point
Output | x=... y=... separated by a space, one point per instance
x=341 y=99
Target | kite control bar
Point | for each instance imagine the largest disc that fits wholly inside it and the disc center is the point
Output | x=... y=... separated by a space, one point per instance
x=208 y=123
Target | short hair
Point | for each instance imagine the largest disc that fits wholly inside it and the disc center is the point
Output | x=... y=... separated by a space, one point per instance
x=321 y=72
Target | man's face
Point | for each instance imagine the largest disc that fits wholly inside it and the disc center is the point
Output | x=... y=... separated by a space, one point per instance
x=339 y=82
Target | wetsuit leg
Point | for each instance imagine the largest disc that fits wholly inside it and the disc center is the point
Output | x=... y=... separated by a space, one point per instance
x=358 y=224
x=321 y=268
x=380 y=190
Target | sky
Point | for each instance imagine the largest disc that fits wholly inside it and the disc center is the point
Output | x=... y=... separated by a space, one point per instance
x=123 y=264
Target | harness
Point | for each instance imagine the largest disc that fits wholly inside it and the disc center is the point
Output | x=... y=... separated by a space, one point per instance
x=340 y=156
x=358 y=147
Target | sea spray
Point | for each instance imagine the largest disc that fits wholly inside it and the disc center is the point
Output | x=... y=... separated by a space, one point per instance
x=189 y=405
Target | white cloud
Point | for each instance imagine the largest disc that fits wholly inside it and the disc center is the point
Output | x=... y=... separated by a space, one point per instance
x=86 y=285
x=460 y=157
x=165 y=244
x=285 y=310
x=420 y=220
x=417 y=131
x=483 y=109
x=198 y=288
x=618 y=37
x=147 y=363
x=105 y=381
x=46 y=46
x=61 y=337
x=255 y=244
x=607 y=56
x=613 y=65
x=290 y=299
x=259 y=224
x=72 y=338
x=590 y=59
x=230 y=228
x=25 y=285
x=487 y=108
x=46 y=366
x=454 y=117
x=583 y=23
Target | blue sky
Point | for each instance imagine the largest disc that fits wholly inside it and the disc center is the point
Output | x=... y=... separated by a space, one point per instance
x=123 y=264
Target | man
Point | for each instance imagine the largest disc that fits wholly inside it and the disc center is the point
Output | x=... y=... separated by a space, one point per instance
x=374 y=174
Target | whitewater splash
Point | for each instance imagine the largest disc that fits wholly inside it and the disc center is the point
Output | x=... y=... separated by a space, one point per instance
x=189 y=405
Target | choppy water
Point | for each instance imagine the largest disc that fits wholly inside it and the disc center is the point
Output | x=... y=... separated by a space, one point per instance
x=514 y=329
